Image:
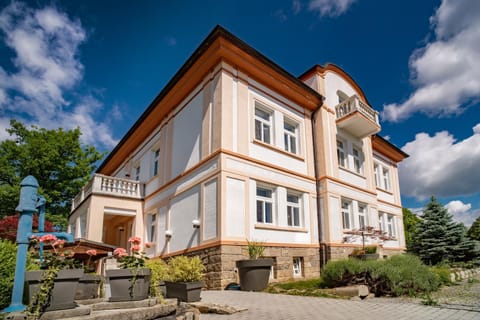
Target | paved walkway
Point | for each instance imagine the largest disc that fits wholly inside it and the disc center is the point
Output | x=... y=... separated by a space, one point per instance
x=265 y=306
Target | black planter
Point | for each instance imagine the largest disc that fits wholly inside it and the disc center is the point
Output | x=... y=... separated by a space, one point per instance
x=64 y=287
x=129 y=285
x=184 y=291
x=254 y=274
x=88 y=287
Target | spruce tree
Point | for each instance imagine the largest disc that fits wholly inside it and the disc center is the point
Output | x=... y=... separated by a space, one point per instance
x=474 y=231
x=438 y=238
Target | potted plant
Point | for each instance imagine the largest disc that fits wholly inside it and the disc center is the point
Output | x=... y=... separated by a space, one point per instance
x=366 y=253
x=185 y=278
x=132 y=281
x=254 y=273
x=53 y=287
x=159 y=272
x=90 y=283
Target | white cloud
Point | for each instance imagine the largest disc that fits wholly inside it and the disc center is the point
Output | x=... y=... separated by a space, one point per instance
x=445 y=72
x=441 y=166
x=296 y=6
x=462 y=212
x=45 y=44
x=330 y=8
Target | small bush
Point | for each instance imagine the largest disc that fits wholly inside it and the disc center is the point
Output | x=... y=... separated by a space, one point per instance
x=159 y=273
x=255 y=249
x=443 y=273
x=185 y=269
x=398 y=275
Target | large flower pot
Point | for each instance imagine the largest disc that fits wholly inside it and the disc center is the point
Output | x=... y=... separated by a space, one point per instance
x=184 y=291
x=254 y=274
x=89 y=287
x=129 y=285
x=64 y=288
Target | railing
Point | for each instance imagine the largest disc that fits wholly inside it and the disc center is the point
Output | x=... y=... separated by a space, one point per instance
x=353 y=104
x=101 y=184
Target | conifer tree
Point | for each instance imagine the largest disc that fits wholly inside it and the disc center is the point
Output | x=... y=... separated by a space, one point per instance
x=474 y=231
x=438 y=238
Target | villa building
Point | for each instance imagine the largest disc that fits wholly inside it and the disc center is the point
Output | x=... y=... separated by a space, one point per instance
x=236 y=148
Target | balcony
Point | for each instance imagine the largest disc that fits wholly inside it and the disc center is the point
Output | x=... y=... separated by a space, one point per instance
x=357 y=117
x=109 y=186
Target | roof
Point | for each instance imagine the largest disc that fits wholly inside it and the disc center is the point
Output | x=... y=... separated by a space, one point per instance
x=220 y=45
x=387 y=148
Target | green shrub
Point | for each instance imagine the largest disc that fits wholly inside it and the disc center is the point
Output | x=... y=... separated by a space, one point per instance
x=185 y=269
x=398 y=275
x=443 y=273
x=159 y=272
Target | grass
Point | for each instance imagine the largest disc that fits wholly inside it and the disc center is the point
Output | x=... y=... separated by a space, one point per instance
x=311 y=288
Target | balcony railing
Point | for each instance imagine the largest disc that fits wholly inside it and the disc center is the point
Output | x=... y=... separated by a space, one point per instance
x=100 y=184
x=357 y=117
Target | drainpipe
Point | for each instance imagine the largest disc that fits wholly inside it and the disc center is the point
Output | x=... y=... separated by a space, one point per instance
x=317 y=186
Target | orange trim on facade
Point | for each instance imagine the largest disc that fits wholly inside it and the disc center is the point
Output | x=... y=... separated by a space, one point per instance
x=346 y=184
x=387 y=149
x=389 y=203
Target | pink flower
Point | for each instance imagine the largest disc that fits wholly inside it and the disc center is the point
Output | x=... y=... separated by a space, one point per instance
x=120 y=252
x=48 y=238
x=135 y=248
x=134 y=240
x=59 y=243
x=91 y=252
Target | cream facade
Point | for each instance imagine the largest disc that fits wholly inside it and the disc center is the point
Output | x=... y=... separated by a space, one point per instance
x=236 y=149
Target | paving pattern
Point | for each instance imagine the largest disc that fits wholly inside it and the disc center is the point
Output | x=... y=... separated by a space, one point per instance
x=265 y=306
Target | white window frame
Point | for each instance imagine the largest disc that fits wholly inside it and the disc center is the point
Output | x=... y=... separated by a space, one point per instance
x=346 y=214
x=290 y=137
x=83 y=225
x=362 y=213
x=386 y=178
x=263 y=124
x=297 y=267
x=357 y=154
x=391 y=231
x=341 y=153
x=137 y=169
x=155 y=162
x=376 y=170
x=264 y=200
x=152 y=227
x=294 y=210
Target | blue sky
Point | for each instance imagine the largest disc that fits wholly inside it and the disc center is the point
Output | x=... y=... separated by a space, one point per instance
x=98 y=64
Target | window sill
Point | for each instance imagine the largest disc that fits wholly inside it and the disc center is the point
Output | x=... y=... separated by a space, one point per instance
x=274 y=148
x=384 y=190
x=360 y=175
x=279 y=228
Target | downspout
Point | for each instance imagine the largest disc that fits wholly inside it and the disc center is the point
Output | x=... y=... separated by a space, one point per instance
x=317 y=186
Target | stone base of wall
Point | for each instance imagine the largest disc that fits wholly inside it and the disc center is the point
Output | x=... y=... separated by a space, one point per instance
x=221 y=269
x=338 y=253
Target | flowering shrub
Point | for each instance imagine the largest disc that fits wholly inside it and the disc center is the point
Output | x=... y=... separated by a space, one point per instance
x=89 y=266
x=56 y=258
x=135 y=258
x=9 y=226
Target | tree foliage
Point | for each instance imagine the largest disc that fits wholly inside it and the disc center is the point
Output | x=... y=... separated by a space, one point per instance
x=410 y=222
x=474 y=231
x=438 y=238
x=56 y=158
x=9 y=225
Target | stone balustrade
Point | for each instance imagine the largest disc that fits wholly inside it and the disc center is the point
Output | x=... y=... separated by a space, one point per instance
x=353 y=104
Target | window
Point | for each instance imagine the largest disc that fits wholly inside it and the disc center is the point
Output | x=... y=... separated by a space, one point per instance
x=290 y=136
x=386 y=178
x=156 y=155
x=297 y=267
x=362 y=216
x=293 y=210
x=341 y=153
x=151 y=227
x=357 y=160
x=391 y=225
x=346 y=213
x=264 y=205
x=73 y=228
x=376 y=170
x=83 y=225
x=263 y=125
x=137 y=173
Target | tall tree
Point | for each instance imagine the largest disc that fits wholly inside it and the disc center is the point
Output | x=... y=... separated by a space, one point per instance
x=56 y=158
x=438 y=238
x=410 y=222
x=474 y=231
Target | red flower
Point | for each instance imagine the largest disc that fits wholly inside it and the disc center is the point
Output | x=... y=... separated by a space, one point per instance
x=135 y=248
x=48 y=238
x=120 y=252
